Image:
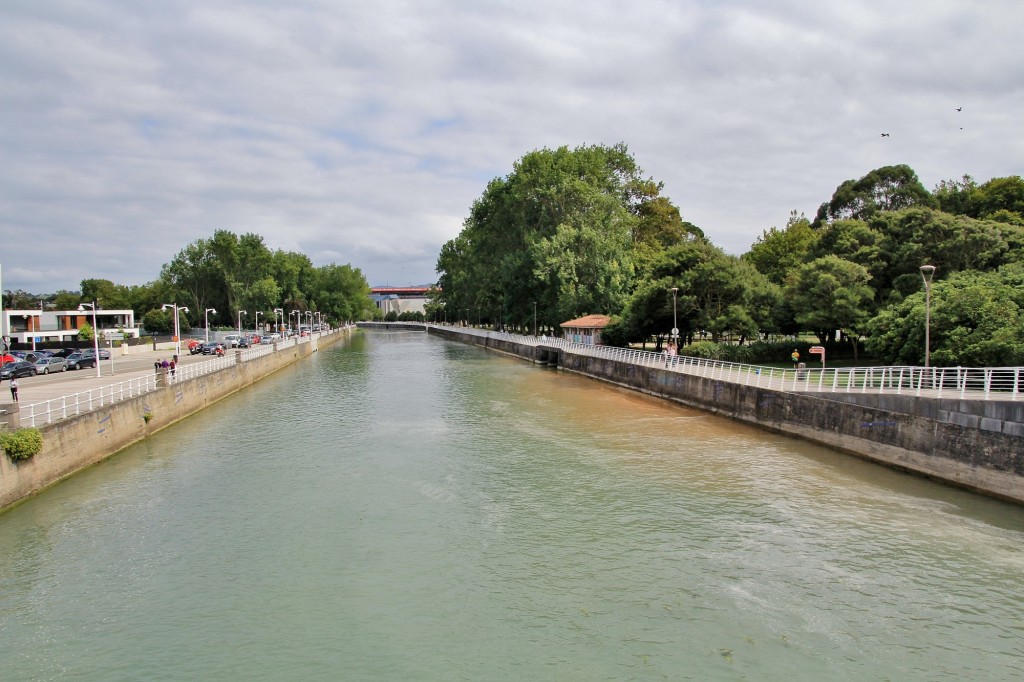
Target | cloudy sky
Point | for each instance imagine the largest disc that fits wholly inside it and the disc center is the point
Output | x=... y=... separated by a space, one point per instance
x=361 y=132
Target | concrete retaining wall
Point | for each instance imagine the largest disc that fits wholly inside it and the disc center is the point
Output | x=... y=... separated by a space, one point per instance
x=73 y=444
x=926 y=437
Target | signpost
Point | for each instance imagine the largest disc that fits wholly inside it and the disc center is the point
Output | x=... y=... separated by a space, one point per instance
x=818 y=350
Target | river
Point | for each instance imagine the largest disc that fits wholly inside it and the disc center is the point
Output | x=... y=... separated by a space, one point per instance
x=405 y=508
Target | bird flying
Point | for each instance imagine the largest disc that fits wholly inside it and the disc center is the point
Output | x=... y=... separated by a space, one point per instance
x=885 y=134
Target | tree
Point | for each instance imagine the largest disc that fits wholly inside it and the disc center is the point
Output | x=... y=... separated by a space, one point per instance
x=85 y=332
x=829 y=294
x=158 y=321
x=977 y=319
x=778 y=252
x=106 y=294
x=889 y=188
x=560 y=231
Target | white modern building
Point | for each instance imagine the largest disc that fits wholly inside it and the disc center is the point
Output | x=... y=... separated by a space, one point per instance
x=24 y=326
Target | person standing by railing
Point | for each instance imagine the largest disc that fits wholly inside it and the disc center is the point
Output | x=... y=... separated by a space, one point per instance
x=14 y=388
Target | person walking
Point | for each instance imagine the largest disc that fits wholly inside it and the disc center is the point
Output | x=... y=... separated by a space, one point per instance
x=795 y=357
x=14 y=389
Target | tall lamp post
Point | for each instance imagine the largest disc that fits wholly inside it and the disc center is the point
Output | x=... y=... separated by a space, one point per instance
x=177 y=328
x=206 y=318
x=927 y=271
x=278 y=311
x=675 y=322
x=240 y=313
x=95 y=334
x=256 y=324
x=535 y=318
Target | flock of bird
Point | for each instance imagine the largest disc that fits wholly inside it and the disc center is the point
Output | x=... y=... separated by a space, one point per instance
x=958 y=109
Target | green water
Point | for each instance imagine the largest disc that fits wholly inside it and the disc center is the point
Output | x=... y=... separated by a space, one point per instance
x=403 y=508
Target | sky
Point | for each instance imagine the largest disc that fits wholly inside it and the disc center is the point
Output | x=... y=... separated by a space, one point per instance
x=361 y=132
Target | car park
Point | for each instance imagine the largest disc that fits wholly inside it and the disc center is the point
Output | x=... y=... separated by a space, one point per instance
x=79 y=361
x=49 y=365
x=16 y=370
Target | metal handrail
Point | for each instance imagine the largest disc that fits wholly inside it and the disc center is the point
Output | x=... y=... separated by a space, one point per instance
x=49 y=411
x=977 y=383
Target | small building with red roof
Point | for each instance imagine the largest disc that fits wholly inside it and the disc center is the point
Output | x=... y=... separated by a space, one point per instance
x=586 y=329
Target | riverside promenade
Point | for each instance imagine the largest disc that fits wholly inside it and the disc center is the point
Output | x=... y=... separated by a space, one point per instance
x=962 y=426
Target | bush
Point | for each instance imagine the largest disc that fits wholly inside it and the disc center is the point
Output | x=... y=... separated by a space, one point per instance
x=22 y=444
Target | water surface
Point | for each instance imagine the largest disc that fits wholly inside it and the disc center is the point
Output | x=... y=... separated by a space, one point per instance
x=404 y=508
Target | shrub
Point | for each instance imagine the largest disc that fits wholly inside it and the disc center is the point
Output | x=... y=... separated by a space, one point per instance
x=22 y=444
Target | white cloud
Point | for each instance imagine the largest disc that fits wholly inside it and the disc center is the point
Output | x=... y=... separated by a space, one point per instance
x=361 y=132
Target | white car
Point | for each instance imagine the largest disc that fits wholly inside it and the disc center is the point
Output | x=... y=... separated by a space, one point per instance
x=232 y=340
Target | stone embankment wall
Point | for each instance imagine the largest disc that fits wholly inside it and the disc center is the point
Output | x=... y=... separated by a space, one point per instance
x=73 y=444
x=985 y=454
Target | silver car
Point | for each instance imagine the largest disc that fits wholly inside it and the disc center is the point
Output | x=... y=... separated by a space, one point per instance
x=48 y=365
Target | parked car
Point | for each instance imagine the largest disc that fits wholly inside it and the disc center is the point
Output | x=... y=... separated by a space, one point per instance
x=43 y=353
x=24 y=356
x=79 y=361
x=5 y=358
x=16 y=370
x=244 y=342
x=232 y=340
x=104 y=353
x=47 y=365
x=64 y=352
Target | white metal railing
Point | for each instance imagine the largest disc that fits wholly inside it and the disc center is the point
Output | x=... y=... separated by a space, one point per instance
x=976 y=383
x=49 y=411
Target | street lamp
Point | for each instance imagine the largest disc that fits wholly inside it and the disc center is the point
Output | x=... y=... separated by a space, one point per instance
x=535 y=318
x=675 y=324
x=309 y=321
x=95 y=334
x=278 y=311
x=177 y=328
x=207 y=321
x=240 y=313
x=927 y=271
x=256 y=324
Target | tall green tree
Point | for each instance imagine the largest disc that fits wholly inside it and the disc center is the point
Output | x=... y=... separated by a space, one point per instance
x=777 y=252
x=830 y=294
x=889 y=188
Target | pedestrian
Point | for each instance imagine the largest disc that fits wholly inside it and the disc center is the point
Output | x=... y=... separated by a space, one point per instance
x=14 y=389
x=165 y=364
x=173 y=364
x=796 y=358
x=156 y=366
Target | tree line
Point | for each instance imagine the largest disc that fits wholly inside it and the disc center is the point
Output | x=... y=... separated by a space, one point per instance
x=575 y=232
x=229 y=273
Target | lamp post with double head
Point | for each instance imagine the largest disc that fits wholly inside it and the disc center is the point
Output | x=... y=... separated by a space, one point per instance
x=278 y=311
x=206 y=321
x=95 y=334
x=177 y=327
x=927 y=272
